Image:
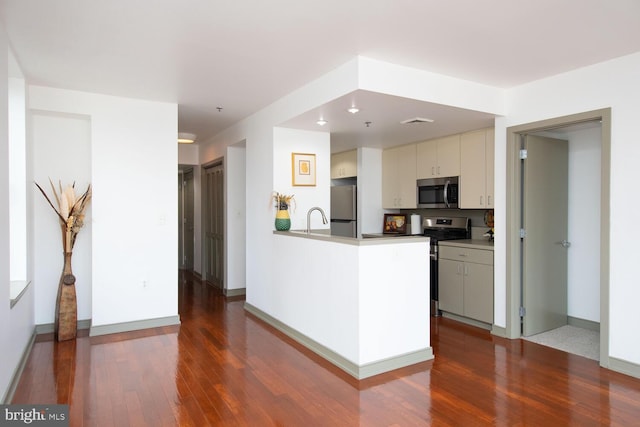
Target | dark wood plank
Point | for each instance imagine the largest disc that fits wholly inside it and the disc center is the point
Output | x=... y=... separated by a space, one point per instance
x=223 y=366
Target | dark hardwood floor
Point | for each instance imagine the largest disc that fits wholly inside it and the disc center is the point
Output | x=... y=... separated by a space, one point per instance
x=223 y=366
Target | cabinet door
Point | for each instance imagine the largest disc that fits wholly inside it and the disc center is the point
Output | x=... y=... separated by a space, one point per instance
x=448 y=156
x=426 y=159
x=478 y=291
x=344 y=165
x=336 y=166
x=450 y=286
x=490 y=161
x=473 y=170
x=389 y=179
x=406 y=175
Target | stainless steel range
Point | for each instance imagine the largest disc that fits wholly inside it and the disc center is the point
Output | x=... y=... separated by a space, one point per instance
x=438 y=229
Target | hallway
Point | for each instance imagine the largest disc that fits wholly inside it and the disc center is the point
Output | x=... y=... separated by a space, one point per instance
x=222 y=366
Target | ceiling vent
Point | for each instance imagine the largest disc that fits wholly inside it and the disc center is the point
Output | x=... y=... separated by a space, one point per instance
x=416 y=120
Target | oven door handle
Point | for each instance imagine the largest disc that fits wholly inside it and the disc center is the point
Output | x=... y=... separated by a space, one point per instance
x=433 y=257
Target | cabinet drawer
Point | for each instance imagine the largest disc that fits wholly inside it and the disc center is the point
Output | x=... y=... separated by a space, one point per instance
x=477 y=256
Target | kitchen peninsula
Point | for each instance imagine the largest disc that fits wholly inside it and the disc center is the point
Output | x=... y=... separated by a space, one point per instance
x=362 y=304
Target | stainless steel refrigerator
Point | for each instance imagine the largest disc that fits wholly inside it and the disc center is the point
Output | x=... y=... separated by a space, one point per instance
x=344 y=211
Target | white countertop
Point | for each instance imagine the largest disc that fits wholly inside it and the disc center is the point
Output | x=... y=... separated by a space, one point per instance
x=468 y=243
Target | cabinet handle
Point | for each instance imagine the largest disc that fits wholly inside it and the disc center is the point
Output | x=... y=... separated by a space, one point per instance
x=433 y=170
x=458 y=269
x=438 y=170
x=462 y=254
x=466 y=270
x=481 y=197
x=488 y=200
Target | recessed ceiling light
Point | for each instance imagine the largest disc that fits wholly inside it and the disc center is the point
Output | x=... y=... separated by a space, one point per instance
x=416 y=120
x=322 y=122
x=353 y=110
x=186 y=138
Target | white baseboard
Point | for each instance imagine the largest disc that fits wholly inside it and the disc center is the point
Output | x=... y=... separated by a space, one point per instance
x=48 y=328
x=467 y=320
x=15 y=379
x=624 y=367
x=357 y=371
x=583 y=323
x=134 y=326
x=234 y=292
x=499 y=331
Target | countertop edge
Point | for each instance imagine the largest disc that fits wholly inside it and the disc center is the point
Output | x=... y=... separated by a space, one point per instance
x=351 y=240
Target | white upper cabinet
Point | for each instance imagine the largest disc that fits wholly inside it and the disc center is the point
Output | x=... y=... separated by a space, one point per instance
x=438 y=157
x=344 y=165
x=476 y=169
x=399 y=177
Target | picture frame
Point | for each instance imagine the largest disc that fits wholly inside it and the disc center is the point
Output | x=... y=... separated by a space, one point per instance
x=303 y=169
x=394 y=223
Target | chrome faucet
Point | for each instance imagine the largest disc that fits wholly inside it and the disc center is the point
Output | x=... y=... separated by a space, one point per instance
x=324 y=217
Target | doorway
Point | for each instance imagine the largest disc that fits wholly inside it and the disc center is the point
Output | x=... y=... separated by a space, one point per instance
x=186 y=237
x=514 y=212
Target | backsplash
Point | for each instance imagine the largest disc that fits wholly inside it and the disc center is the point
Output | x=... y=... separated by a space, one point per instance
x=476 y=215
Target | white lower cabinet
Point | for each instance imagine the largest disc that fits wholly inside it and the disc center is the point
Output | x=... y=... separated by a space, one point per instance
x=465 y=282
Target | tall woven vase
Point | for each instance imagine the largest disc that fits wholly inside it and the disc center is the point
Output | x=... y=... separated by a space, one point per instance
x=283 y=220
x=66 y=320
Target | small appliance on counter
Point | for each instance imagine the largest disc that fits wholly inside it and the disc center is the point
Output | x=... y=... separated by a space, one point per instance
x=416 y=224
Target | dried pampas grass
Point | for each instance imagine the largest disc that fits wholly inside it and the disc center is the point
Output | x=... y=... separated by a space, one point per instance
x=70 y=210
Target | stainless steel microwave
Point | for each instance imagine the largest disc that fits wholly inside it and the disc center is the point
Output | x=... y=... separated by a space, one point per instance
x=437 y=193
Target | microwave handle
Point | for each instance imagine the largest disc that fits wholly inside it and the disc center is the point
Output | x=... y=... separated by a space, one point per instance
x=446 y=193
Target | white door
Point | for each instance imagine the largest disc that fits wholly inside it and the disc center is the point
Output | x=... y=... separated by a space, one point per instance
x=545 y=222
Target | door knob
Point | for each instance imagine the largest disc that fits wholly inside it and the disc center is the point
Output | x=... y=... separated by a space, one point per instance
x=564 y=243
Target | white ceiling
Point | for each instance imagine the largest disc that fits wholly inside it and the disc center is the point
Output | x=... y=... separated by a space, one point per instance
x=243 y=55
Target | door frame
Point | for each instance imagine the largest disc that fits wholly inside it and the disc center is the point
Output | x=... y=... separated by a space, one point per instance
x=513 y=215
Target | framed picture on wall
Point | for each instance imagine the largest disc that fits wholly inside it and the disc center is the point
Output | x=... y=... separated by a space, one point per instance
x=303 y=166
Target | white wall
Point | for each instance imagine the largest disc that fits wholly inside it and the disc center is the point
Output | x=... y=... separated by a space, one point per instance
x=18 y=176
x=8 y=361
x=584 y=224
x=188 y=154
x=134 y=207
x=16 y=323
x=609 y=84
x=258 y=133
x=286 y=142
x=61 y=151
x=392 y=79
x=338 y=295
x=370 y=190
x=235 y=269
